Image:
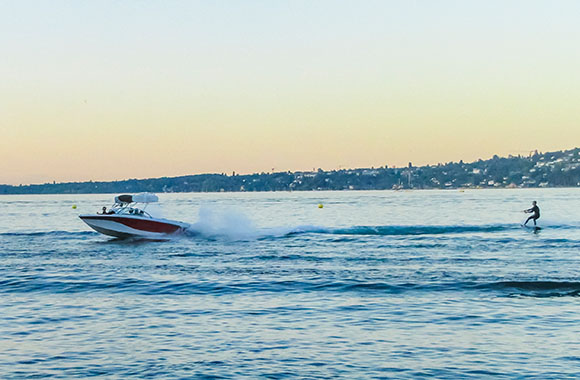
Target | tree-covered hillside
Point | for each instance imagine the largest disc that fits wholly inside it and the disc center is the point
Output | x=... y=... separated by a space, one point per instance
x=553 y=169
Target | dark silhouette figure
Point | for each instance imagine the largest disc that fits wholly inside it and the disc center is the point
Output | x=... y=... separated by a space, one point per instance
x=536 y=213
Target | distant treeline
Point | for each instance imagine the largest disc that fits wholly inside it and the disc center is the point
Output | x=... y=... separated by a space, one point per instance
x=553 y=169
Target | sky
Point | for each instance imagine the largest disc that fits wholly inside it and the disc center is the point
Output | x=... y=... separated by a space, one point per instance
x=109 y=90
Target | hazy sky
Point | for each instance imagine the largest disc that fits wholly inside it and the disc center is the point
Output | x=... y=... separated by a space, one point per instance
x=104 y=90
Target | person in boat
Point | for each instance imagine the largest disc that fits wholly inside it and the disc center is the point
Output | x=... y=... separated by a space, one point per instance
x=535 y=211
x=105 y=212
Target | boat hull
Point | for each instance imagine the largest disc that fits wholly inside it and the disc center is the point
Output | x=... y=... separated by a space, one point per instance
x=124 y=226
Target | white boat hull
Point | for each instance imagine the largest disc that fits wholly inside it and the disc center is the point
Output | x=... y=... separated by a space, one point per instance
x=126 y=226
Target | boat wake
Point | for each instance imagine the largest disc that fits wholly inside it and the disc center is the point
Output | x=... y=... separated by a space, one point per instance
x=247 y=232
x=241 y=229
x=230 y=225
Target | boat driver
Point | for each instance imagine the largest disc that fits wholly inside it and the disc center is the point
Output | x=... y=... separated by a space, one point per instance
x=105 y=212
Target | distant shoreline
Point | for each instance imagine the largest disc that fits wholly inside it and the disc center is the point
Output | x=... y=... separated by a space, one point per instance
x=559 y=169
x=315 y=191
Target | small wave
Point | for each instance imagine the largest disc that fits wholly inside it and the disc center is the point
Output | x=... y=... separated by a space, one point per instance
x=537 y=288
x=49 y=233
x=147 y=287
x=541 y=289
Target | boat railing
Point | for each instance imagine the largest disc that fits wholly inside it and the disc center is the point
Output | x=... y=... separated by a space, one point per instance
x=130 y=209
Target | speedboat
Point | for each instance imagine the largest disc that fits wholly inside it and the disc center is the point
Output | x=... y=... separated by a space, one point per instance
x=128 y=218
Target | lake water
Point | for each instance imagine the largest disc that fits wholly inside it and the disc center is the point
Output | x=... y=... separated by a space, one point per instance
x=380 y=284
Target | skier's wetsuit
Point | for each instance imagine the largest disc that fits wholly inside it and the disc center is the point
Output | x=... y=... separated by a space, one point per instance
x=536 y=214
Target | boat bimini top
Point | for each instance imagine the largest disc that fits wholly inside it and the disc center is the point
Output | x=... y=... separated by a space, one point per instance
x=127 y=204
x=137 y=198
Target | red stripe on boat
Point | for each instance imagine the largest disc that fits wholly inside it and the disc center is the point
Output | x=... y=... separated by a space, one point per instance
x=140 y=224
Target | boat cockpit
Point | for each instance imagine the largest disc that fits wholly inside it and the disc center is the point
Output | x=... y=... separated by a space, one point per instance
x=130 y=210
x=130 y=205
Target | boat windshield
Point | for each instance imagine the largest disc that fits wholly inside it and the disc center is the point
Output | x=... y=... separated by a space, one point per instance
x=121 y=208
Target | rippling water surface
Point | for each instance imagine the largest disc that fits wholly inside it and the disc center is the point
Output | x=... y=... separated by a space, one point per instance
x=419 y=284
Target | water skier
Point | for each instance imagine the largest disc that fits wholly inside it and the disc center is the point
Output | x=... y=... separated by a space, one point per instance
x=536 y=213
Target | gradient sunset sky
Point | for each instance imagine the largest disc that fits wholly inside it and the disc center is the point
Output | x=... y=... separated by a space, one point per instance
x=106 y=90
